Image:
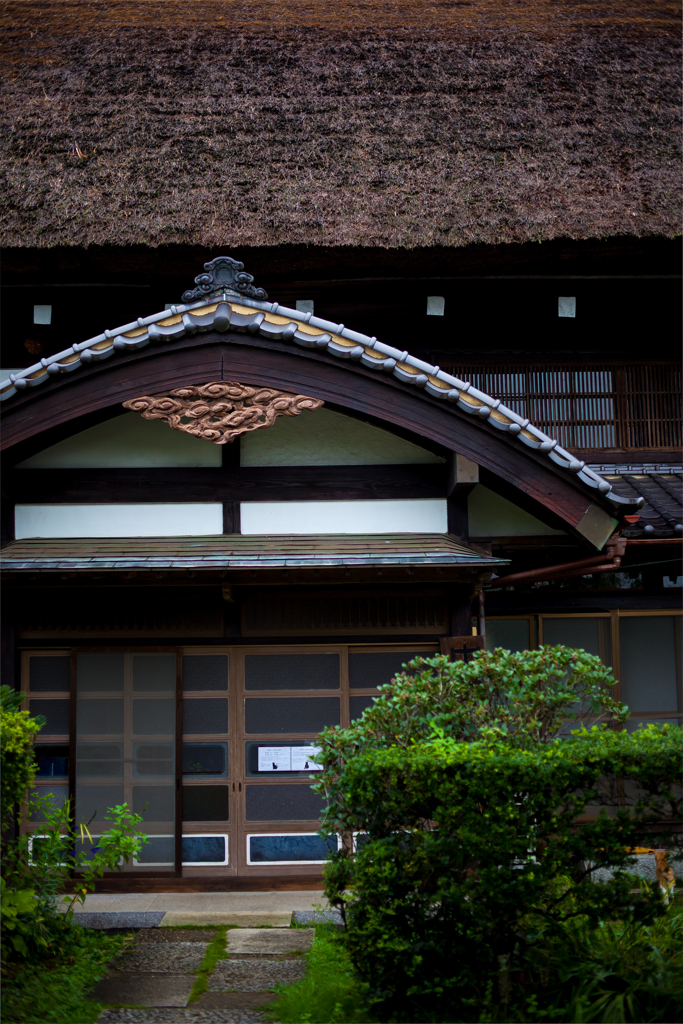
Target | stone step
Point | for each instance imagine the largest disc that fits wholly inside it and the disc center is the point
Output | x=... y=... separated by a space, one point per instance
x=216 y=918
x=269 y=942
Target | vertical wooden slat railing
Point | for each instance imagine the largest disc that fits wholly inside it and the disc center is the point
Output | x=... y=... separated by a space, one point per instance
x=592 y=407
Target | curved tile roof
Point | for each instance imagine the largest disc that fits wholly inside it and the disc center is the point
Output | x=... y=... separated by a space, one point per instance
x=227 y=309
x=661 y=486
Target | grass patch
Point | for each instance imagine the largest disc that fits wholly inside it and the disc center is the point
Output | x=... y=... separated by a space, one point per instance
x=53 y=991
x=215 y=951
x=329 y=994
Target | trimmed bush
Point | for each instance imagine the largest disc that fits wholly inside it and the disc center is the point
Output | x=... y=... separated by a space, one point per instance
x=464 y=803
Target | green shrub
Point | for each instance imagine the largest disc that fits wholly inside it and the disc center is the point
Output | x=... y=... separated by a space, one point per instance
x=472 y=856
x=522 y=697
x=17 y=765
x=44 y=866
x=55 y=993
x=615 y=972
x=466 y=799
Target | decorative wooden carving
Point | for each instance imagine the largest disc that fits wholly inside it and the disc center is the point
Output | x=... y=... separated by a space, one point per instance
x=221 y=411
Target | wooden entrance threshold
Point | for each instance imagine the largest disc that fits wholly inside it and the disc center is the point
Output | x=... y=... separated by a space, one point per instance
x=264 y=883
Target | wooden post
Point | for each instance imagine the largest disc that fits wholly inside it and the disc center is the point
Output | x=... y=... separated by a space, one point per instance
x=461 y=648
x=463 y=475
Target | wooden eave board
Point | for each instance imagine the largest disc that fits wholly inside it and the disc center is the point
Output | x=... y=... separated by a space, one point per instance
x=238 y=551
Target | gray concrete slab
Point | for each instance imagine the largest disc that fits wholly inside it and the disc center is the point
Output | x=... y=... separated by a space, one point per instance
x=282 y=902
x=252 y=975
x=215 y=918
x=144 y=989
x=191 y=1015
x=270 y=941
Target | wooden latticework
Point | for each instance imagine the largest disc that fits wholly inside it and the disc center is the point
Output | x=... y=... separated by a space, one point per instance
x=590 y=407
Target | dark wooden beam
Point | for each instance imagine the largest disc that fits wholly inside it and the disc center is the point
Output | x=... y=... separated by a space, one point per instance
x=228 y=484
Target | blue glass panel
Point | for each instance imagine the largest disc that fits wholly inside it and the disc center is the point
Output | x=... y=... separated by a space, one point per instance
x=159 y=850
x=203 y=848
x=265 y=849
x=53 y=762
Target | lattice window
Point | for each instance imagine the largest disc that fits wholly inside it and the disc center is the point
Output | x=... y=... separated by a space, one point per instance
x=590 y=407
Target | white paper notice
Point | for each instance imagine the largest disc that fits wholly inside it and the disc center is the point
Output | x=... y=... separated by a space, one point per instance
x=303 y=759
x=274 y=759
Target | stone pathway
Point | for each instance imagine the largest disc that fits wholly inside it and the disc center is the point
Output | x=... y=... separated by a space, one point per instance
x=155 y=977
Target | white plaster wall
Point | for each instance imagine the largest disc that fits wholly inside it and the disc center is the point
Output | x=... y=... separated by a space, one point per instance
x=301 y=517
x=139 y=520
x=327 y=438
x=491 y=515
x=127 y=441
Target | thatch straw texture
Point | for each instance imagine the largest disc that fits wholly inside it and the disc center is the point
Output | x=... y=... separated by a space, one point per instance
x=397 y=123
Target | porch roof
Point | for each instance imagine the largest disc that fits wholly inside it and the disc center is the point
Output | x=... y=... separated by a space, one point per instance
x=239 y=551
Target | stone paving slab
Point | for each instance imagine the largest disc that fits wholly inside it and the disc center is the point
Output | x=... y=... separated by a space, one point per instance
x=172 y=935
x=254 y=975
x=164 y=958
x=270 y=941
x=144 y=989
x=215 y=918
x=119 y=919
x=187 y=1016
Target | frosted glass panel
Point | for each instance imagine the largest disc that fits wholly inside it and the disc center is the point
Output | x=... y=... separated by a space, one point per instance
x=207 y=717
x=97 y=672
x=290 y=714
x=57 y=795
x=511 y=634
x=94 y=801
x=103 y=717
x=650 y=662
x=283 y=803
x=358 y=706
x=154 y=672
x=51 y=673
x=590 y=635
x=205 y=672
x=56 y=713
x=369 y=669
x=291 y=672
x=125 y=745
x=155 y=803
x=158 y=851
x=154 y=717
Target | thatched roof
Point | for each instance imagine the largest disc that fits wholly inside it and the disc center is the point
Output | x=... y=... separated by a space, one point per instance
x=360 y=122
